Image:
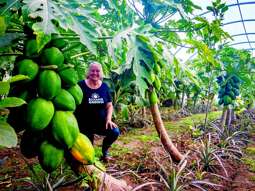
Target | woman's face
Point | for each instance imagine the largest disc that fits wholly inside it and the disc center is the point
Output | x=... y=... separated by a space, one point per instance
x=94 y=72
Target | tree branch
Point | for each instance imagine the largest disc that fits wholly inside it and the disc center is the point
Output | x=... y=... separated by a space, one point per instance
x=137 y=11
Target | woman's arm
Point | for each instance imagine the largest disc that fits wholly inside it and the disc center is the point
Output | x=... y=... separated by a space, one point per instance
x=109 y=111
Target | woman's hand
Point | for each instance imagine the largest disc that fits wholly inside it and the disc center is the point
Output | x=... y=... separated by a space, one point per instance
x=110 y=124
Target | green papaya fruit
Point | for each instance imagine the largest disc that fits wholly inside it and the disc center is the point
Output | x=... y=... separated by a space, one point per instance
x=236 y=79
x=69 y=76
x=153 y=98
x=28 y=68
x=221 y=92
x=231 y=94
x=227 y=100
x=82 y=150
x=59 y=43
x=39 y=113
x=30 y=143
x=236 y=86
x=50 y=156
x=231 y=81
x=236 y=92
x=65 y=128
x=228 y=87
x=31 y=49
x=52 y=56
x=49 y=84
x=152 y=77
x=157 y=83
x=156 y=68
x=64 y=101
x=77 y=93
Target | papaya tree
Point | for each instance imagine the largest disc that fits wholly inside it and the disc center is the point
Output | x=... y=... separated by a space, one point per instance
x=33 y=32
x=237 y=73
x=210 y=33
x=144 y=54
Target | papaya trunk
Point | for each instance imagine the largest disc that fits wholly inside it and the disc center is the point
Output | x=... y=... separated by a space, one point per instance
x=165 y=140
x=194 y=103
x=229 y=117
x=207 y=104
x=183 y=96
x=103 y=180
x=233 y=115
x=223 y=117
x=144 y=112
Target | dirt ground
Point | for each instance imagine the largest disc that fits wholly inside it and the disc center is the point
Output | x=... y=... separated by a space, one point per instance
x=143 y=162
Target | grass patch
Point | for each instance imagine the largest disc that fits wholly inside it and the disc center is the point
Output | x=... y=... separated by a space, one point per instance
x=182 y=125
x=118 y=150
x=146 y=138
x=252 y=178
x=250 y=162
x=250 y=151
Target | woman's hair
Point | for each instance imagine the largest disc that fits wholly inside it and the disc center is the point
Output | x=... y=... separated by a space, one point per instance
x=101 y=74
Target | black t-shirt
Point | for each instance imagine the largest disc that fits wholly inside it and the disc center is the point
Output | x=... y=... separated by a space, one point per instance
x=92 y=110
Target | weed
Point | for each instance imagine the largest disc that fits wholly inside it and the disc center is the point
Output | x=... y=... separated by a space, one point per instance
x=120 y=150
x=250 y=162
x=250 y=151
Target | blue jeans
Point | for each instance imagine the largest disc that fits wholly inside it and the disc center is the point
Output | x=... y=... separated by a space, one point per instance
x=111 y=135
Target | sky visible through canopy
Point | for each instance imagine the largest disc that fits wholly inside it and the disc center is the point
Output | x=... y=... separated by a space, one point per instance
x=239 y=22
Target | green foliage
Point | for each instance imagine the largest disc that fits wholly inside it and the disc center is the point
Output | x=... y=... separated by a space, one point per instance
x=50 y=11
x=250 y=151
x=250 y=162
x=8 y=137
x=11 y=102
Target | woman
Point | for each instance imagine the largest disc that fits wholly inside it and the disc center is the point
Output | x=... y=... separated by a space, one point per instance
x=94 y=115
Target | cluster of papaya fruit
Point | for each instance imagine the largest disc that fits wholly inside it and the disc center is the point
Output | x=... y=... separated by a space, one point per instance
x=154 y=76
x=52 y=93
x=229 y=89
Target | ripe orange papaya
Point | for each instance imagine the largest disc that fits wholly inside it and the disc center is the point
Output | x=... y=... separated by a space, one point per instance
x=82 y=150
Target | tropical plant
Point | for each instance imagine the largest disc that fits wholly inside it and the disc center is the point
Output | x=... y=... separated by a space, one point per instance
x=210 y=156
x=8 y=135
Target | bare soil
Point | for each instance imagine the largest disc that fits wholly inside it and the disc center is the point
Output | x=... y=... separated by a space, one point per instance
x=143 y=165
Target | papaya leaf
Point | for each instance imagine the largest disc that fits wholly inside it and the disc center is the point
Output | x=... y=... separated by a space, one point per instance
x=8 y=137
x=76 y=16
x=17 y=78
x=4 y=88
x=8 y=5
x=42 y=39
x=2 y=25
x=124 y=111
x=11 y=102
x=8 y=38
x=47 y=11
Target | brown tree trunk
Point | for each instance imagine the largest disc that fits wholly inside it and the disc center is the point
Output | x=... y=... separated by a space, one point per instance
x=165 y=140
x=144 y=112
x=183 y=96
x=229 y=117
x=103 y=181
x=223 y=117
